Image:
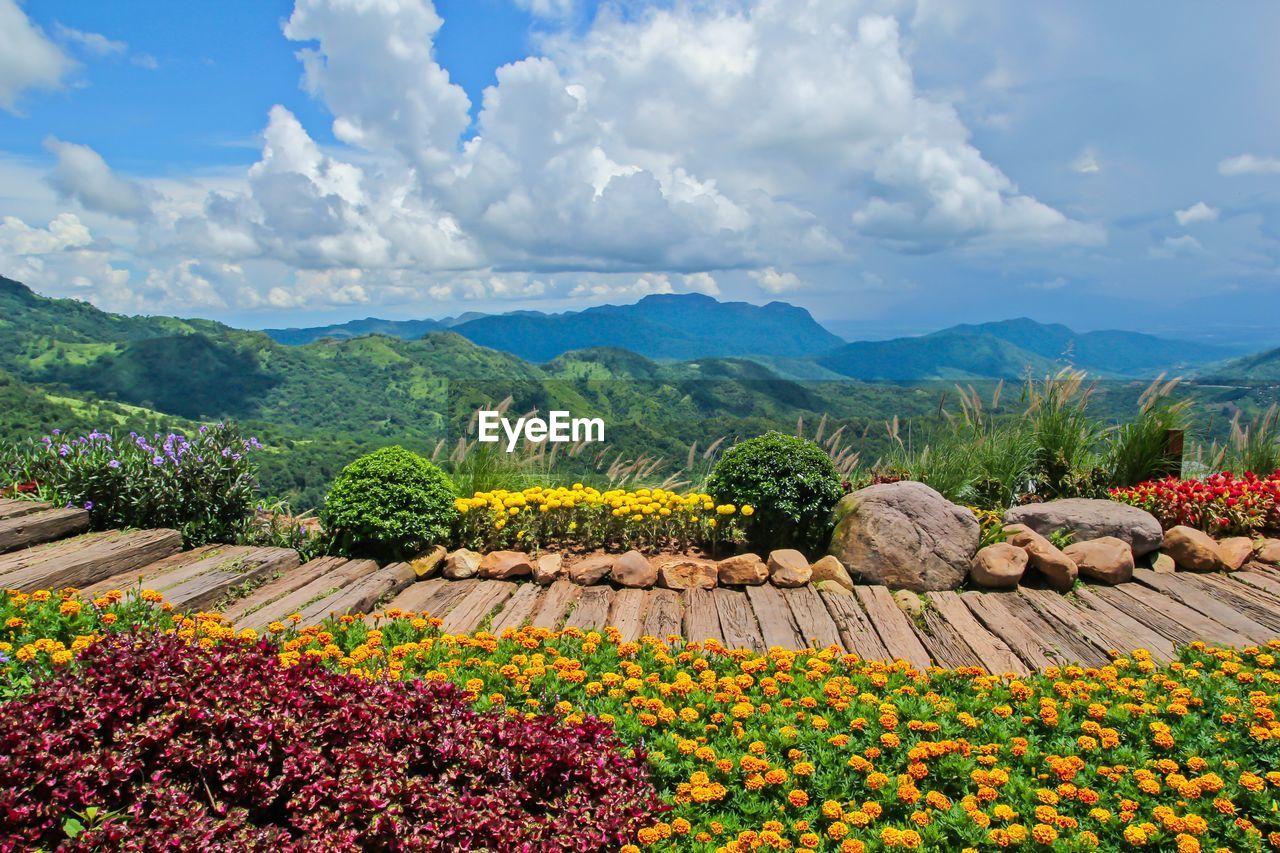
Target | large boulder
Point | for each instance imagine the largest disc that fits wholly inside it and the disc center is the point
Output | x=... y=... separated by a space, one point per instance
x=1268 y=551
x=688 y=573
x=592 y=569
x=743 y=570
x=503 y=565
x=789 y=568
x=462 y=564
x=905 y=536
x=633 y=569
x=1193 y=549
x=998 y=566
x=830 y=569
x=1106 y=560
x=1087 y=518
x=1043 y=556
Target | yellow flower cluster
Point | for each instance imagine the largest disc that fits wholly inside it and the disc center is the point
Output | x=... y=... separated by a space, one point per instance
x=584 y=516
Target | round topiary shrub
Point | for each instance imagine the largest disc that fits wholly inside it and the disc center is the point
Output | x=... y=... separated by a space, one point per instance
x=791 y=484
x=390 y=504
x=172 y=746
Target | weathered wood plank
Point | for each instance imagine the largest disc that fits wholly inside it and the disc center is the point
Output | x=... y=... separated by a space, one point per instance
x=472 y=610
x=411 y=599
x=1170 y=618
x=1024 y=640
x=23 y=531
x=1183 y=590
x=147 y=576
x=943 y=642
x=1082 y=623
x=99 y=559
x=992 y=652
x=13 y=508
x=817 y=628
x=17 y=561
x=447 y=597
x=701 y=619
x=1259 y=580
x=737 y=620
x=665 y=617
x=555 y=603
x=777 y=623
x=1072 y=645
x=305 y=596
x=517 y=610
x=1142 y=637
x=592 y=610
x=274 y=590
x=1252 y=603
x=362 y=594
x=229 y=573
x=856 y=631
x=893 y=626
x=627 y=613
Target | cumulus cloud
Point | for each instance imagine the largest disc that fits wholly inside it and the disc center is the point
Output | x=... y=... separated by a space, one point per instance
x=1174 y=247
x=65 y=231
x=701 y=282
x=1198 y=212
x=1249 y=164
x=28 y=59
x=548 y=8
x=81 y=174
x=1086 y=163
x=775 y=282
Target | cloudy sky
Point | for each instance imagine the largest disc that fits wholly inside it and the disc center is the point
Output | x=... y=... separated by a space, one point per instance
x=890 y=165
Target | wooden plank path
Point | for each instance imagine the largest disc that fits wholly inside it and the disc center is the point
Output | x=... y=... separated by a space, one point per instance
x=1007 y=633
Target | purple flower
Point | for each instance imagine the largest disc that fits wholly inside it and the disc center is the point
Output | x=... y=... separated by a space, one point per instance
x=88 y=505
x=57 y=432
x=114 y=463
x=159 y=460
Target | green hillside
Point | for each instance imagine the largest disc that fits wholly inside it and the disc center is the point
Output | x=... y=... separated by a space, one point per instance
x=1263 y=367
x=944 y=355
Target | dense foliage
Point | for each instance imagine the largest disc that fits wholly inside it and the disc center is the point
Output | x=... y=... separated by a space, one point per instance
x=581 y=517
x=185 y=746
x=792 y=484
x=390 y=504
x=809 y=750
x=1222 y=504
x=203 y=485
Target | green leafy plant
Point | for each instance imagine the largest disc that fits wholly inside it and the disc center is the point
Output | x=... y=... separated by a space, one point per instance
x=1061 y=538
x=991 y=524
x=390 y=504
x=791 y=483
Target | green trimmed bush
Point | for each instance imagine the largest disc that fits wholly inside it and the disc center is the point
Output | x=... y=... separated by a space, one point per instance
x=791 y=484
x=390 y=505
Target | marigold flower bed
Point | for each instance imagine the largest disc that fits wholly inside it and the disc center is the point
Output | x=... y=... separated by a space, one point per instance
x=585 y=517
x=817 y=750
x=1225 y=503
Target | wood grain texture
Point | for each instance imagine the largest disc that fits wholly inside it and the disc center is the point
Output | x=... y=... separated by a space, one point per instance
x=96 y=559
x=518 y=609
x=1185 y=591
x=992 y=652
x=1024 y=640
x=817 y=628
x=857 y=634
x=893 y=626
x=48 y=525
x=13 y=508
x=274 y=590
x=362 y=594
x=341 y=574
x=471 y=612
x=737 y=620
x=1170 y=618
x=777 y=623
x=1140 y=636
x=592 y=610
x=701 y=618
x=230 y=572
x=665 y=614
x=627 y=613
x=555 y=603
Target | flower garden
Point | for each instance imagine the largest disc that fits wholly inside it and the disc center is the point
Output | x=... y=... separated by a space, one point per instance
x=385 y=730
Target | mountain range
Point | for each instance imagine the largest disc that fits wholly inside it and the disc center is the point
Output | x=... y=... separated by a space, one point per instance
x=67 y=364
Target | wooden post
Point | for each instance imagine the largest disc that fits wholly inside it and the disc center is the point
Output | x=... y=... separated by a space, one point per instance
x=1174 y=440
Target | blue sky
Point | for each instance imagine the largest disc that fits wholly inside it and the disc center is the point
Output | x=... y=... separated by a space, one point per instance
x=892 y=165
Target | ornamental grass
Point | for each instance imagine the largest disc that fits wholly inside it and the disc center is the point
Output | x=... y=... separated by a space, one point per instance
x=816 y=750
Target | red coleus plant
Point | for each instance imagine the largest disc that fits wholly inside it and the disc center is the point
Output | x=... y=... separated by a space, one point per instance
x=182 y=747
x=1222 y=504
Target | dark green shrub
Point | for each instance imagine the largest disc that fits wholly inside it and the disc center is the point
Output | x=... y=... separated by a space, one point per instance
x=390 y=504
x=791 y=484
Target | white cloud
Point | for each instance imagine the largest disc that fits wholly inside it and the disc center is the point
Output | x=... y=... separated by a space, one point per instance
x=1055 y=283
x=65 y=231
x=701 y=282
x=1198 y=212
x=775 y=282
x=1248 y=164
x=1086 y=163
x=28 y=59
x=94 y=44
x=548 y=8
x=81 y=174
x=145 y=60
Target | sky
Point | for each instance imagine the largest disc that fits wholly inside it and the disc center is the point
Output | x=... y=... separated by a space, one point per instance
x=894 y=166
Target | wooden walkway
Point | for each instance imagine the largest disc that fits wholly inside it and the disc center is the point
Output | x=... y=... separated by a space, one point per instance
x=1002 y=632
